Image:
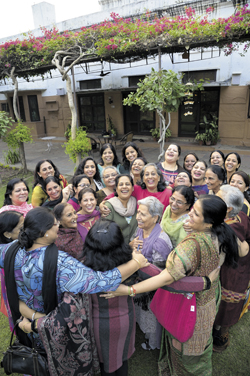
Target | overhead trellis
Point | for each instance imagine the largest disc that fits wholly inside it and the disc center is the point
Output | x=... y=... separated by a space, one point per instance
x=124 y=40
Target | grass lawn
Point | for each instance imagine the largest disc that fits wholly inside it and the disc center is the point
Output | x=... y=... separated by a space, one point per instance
x=235 y=361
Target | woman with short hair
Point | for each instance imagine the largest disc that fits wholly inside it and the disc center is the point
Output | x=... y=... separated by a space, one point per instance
x=155 y=245
x=108 y=174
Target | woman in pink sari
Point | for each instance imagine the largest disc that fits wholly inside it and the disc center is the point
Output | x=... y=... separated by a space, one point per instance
x=88 y=214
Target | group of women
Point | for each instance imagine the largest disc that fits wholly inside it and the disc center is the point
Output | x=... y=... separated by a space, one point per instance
x=111 y=221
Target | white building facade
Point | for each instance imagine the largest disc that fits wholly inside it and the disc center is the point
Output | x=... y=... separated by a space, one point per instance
x=100 y=89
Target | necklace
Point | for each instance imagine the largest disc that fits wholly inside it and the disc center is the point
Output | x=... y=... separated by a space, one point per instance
x=167 y=168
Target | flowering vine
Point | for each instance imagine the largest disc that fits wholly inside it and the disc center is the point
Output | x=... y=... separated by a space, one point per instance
x=118 y=39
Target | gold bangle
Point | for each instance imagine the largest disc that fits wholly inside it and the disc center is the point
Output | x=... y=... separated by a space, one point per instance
x=138 y=262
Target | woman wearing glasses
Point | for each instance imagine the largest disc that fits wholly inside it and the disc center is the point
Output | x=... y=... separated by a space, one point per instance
x=108 y=177
x=176 y=213
x=79 y=182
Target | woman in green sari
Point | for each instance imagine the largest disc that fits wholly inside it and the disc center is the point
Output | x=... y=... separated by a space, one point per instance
x=217 y=243
x=176 y=213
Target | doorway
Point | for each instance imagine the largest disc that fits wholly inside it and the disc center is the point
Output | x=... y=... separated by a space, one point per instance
x=206 y=103
x=137 y=121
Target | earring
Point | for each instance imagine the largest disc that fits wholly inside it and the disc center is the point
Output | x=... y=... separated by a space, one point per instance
x=46 y=235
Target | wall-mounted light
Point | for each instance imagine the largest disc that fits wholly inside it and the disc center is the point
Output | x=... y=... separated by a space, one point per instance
x=110 y=100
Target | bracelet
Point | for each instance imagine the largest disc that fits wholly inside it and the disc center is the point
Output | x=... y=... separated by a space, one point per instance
x=132 y=291
x=33 y=316
x=208 y=282
x=138 y=262
x=25 y=330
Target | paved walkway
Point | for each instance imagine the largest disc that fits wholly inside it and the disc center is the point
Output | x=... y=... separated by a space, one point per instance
x=37 y=151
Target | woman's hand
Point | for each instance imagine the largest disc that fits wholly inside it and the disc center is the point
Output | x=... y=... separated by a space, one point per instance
x=25 y=325
x=121 y=291
x=140 y=259
x=214 y=274
x=104 y=209
x=187 y=227
x=66 y=193
x=136 y=243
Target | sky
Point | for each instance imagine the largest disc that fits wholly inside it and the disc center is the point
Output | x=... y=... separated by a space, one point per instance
x=16 y=16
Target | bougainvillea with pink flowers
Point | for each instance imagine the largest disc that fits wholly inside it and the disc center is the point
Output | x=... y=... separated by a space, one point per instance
x=119 y=40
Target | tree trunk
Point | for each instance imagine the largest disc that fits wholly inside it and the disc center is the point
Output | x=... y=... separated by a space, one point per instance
x=71 y=106
x=17 y=115
x=15 y=83
x=163 y=133
x=22 y=157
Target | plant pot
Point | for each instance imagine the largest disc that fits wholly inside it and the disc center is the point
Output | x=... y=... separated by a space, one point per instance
x=200 y=142
x=208 y=143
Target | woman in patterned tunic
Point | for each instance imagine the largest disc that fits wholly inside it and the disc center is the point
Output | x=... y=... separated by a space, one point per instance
x=194 y=357
x=39 y=231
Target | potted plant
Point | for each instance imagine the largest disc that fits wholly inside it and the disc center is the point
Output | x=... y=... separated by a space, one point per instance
x=111 y=127
x=156 y=134
x=200 y=137
x=211 y=130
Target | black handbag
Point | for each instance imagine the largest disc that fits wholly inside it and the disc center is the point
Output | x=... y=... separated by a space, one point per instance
x=23 y=359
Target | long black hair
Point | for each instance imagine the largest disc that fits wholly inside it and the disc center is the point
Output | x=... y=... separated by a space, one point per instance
x=36 y=223
x=104 y=247
x=80 y=168
x=8 y=221
x=214 y=211
x=38 y=179
x=109 y=146
x=10 y=188
x=126 y=163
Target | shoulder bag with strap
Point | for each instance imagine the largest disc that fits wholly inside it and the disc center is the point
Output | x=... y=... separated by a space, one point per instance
x=177 y=312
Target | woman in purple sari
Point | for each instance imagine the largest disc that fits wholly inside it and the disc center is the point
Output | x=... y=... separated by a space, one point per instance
x=88 y=214
x=156 y=245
